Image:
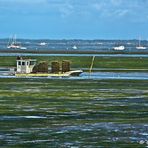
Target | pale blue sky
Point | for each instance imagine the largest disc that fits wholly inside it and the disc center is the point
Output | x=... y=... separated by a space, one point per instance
x=74 y=19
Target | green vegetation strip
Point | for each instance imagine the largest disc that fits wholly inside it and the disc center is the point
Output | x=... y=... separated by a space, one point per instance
x=84 y=62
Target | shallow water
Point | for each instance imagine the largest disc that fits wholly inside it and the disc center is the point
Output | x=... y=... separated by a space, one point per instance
x=75 y=55
x=116 y=75
x=73 y=113
x=94 y=76
x=81 y=45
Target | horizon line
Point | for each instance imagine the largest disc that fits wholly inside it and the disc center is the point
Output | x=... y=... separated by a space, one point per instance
x=71 y=39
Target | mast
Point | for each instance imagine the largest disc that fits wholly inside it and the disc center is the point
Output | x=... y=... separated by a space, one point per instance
x=139 y=41
x=15 y=39
x=9 y=41
x=92 y=63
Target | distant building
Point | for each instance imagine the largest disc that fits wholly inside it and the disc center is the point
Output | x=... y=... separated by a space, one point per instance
x=25 y=65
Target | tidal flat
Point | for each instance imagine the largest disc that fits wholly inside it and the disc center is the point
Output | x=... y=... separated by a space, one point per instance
x=40 y=112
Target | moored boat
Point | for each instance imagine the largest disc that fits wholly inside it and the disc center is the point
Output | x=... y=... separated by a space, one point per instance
x=13 y=44
x=74 y=47
x=28 y=67
x=140 y=46
x=119 y=48
x=42 y=43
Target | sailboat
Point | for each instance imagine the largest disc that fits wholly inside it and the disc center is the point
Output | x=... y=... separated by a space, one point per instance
x=12 y=44
x=42 y=43
x=140 y=46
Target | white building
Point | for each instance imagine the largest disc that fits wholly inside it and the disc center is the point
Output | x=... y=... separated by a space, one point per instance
x=25 y=65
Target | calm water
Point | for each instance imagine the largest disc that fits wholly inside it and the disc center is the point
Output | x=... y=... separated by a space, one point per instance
x=84 y=45
x=73 y=113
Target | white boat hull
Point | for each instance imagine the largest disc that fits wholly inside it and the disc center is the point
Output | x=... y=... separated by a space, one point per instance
x=119 y=48
x=140 y=47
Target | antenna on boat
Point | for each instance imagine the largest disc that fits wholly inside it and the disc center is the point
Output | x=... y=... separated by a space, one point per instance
x=92 y=63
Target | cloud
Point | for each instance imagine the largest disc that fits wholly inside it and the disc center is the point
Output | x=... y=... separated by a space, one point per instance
x=116 y=2
x=66 y=10
x=36 y=7
x=118 y=9
x=104 y=9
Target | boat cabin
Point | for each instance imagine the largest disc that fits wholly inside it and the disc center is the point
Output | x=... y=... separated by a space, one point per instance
x=25 y=65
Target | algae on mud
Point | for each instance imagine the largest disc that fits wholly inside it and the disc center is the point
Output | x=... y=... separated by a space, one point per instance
x=73 y=113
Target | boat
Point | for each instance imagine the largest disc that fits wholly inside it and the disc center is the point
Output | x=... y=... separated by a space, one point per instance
x=74 y=47
x=42 y=43
x=60 y=74
x=119 y=48
x=13 y=44
x=140 y=46
x=25 y=68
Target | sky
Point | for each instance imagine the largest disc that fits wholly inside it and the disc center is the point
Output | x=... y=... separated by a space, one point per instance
x=74 y=19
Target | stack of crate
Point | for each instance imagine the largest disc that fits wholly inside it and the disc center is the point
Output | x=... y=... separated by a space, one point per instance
x=65 y=66
x=55 y=67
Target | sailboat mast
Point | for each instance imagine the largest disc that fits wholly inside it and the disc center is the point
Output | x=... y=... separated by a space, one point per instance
x=15 y=39
x=139 y=41
x=9 y=41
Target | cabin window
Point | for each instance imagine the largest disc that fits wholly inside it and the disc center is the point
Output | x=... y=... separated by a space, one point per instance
x=32 y=62
x=19 y=63
x=23 y=63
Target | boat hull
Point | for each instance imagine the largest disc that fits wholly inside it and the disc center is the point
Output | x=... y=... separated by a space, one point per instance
x=141 y=47
x=66 y=74
x=119 y=48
